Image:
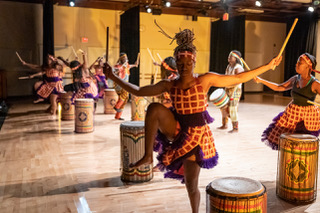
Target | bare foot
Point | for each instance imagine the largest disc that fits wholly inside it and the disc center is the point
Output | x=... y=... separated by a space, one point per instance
x=143 y=161
x=233 y=131
x=38 y=100
x=155 y=169
x=222 y=127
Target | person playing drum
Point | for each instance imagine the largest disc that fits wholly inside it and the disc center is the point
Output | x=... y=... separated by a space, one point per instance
x=185 y=139
x=299 y=116
x=234 y=92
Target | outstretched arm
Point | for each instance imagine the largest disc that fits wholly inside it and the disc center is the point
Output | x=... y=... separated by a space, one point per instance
x=277 y=87
x=218 y=80
x=150 y=90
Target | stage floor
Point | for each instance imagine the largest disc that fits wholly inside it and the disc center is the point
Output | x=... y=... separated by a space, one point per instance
x=46 y=167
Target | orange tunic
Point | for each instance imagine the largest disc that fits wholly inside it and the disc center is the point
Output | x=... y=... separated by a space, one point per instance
x=190 y=111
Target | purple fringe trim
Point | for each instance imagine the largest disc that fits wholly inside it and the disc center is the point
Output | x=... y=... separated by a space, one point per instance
x=176 y=165
x=264 y=136
x=300 y=128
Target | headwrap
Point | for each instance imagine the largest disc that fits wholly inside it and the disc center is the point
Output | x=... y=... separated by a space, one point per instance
x=309 y=62
x=234 y=54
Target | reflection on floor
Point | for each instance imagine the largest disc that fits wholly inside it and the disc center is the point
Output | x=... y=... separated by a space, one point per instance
x=46 y=167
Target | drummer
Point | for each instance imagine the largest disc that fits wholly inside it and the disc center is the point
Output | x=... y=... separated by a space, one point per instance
x=234 y=67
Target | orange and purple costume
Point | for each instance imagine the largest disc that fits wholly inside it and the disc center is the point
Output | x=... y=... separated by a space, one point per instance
x=52 y=84
x=194 y=140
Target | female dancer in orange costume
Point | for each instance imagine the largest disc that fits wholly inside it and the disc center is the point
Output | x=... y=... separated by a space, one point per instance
x=186 y=140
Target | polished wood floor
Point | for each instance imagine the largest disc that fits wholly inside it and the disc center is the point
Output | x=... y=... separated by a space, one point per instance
x=46 y=167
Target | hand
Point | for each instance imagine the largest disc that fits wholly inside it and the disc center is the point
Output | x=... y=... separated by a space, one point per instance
x=107 y=69
x=257 y=79
x=275 y=62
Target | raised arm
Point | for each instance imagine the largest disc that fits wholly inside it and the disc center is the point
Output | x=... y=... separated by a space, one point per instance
x=218 y=80
x=277 y=87
x=94 y=62
x=150 y=90
x=64 y=61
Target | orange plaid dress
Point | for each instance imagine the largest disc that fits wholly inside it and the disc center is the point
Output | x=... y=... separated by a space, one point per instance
x=52 y=84
x=195 y=136
x=298 y=117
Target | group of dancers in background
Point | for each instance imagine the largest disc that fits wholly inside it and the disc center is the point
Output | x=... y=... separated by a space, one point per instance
x=86 y=83
x=178 y=129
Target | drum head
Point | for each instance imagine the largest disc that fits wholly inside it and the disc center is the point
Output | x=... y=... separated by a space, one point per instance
x=132 y=124
x=84 y=100
x=235 y=187
x=298 y=137
x=216 y=94
x=107 y=90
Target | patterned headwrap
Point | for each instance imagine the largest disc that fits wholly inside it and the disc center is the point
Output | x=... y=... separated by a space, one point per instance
x=309 y=62
x=167 y=67
x=237 y=56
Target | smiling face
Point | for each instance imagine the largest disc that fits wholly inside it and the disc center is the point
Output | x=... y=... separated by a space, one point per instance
x=302 y=66
x=185 y=65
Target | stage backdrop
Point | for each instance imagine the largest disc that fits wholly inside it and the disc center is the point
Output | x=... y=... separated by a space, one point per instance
x=130 y=39
x=48 y=39
x=226 y=36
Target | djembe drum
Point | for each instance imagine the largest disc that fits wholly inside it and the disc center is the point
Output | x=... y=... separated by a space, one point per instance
x=297 y=168
x=236 y=194
x=138 y=108
x=219 y=98
x=84 y=115
x=67 y=108
x=132 y=150
x=110 y=99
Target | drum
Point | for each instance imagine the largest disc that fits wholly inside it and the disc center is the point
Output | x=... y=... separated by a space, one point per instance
x=236 y=194
x=110 y=99
x=132 y=150
x=297 y=168
x=219 y=98
x=67 y=108
x=84 y=115
x=138 y=108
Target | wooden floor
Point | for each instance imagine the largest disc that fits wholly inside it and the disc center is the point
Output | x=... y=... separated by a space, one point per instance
x=46 y=167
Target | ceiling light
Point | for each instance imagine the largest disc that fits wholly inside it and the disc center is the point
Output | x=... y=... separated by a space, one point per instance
x=310 y=9
x=72 y=3
x=149 y=10
x=168 y=4
x=258 y=3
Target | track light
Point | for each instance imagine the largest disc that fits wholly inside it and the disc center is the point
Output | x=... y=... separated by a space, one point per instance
x=258 y=3
x=72 y=3
x=311 y=9
x=148 y=9
x=168 y=4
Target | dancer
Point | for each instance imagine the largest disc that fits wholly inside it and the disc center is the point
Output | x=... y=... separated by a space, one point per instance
x=168 y=71
x=234 y=93
x=299 y=116
x=123 y=71
x=83 y=85
x=100 y=77
x=185 y=139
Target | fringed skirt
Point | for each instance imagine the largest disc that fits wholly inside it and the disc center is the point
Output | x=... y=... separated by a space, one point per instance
x=295 y=119
x=48 y=88
x=191 y=140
